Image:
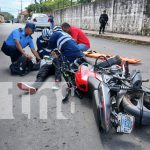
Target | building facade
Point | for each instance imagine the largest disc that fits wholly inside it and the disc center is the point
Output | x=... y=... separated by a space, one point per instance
x=2 y=18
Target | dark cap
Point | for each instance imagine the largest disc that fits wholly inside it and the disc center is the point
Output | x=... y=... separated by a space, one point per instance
x=31 y=26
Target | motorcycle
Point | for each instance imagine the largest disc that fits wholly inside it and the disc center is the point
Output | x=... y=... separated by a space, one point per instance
x=119 y=100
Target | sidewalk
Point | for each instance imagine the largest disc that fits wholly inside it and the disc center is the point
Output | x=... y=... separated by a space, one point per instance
x=137 y=39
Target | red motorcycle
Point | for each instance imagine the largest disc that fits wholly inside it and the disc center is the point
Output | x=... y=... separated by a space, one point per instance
x=114 y=92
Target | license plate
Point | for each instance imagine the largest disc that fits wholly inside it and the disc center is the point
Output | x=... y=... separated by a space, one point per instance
x=126 y=123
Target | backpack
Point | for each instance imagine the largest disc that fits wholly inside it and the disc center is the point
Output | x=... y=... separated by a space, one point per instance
x=22 y=66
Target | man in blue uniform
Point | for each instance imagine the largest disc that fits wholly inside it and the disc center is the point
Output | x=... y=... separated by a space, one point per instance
x=69 y=49
x=66 y=44
x=17 y=41
x=42 y=43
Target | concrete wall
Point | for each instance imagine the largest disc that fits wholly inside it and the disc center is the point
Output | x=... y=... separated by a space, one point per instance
x=84 y=16
x=128 y=16
x=125 y=16
x=146 y=19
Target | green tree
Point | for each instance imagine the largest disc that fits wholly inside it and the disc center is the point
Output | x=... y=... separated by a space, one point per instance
x=84 y=1
x=31 y=8
x=7 y=15
x=49 y=5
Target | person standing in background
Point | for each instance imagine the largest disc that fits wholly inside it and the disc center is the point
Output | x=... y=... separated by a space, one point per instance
x=103 y=21
x=51 y=20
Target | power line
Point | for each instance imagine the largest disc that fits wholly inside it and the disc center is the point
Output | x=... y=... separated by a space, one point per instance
x=25 y=0
x=10 y=8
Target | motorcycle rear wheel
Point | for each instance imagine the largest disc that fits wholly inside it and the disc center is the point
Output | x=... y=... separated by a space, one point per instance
x=134 y=105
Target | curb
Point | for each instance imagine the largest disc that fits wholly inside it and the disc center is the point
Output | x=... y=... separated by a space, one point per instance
x=118 y=39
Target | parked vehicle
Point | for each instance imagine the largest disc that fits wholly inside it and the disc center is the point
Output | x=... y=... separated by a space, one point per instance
x=40 y=20
x=16 y=20
x=7 y=21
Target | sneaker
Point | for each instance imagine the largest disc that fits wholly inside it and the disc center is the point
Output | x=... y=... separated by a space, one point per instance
x=57 y=80
x=27 y=88
x=57 y=85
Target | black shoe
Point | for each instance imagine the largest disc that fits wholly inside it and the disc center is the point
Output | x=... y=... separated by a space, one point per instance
x=36 y=66
x=16 y=70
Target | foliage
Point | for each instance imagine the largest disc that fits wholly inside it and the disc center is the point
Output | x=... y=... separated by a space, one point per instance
x=30 y=8
x=49 y=5
x=85 y=1
x=7 y=15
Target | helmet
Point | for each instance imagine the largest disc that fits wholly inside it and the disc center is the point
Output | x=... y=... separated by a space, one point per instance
x=46 y=34
x=57 y=28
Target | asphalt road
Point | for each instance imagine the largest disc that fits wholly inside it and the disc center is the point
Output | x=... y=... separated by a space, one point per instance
x=23 y=126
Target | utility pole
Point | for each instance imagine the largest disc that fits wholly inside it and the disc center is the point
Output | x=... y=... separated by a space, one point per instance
x=18 y=18
x=40 y=5
x=63 y=3
x=21 y=6
x=35 y=6
x=71 y=3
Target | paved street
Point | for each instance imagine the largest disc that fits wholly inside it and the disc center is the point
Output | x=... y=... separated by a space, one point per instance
x=79 y=131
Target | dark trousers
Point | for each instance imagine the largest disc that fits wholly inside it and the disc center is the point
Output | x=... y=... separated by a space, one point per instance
x=11 y=51
x=46 y=71
x=102 y=28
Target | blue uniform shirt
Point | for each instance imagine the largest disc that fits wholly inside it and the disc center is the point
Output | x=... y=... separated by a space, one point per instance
x=41 y=43
x=19 y=34
x=68 y=47
x=42 y=47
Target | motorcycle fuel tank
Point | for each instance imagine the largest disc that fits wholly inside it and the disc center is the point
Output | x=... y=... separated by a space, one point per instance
x=81 y=77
